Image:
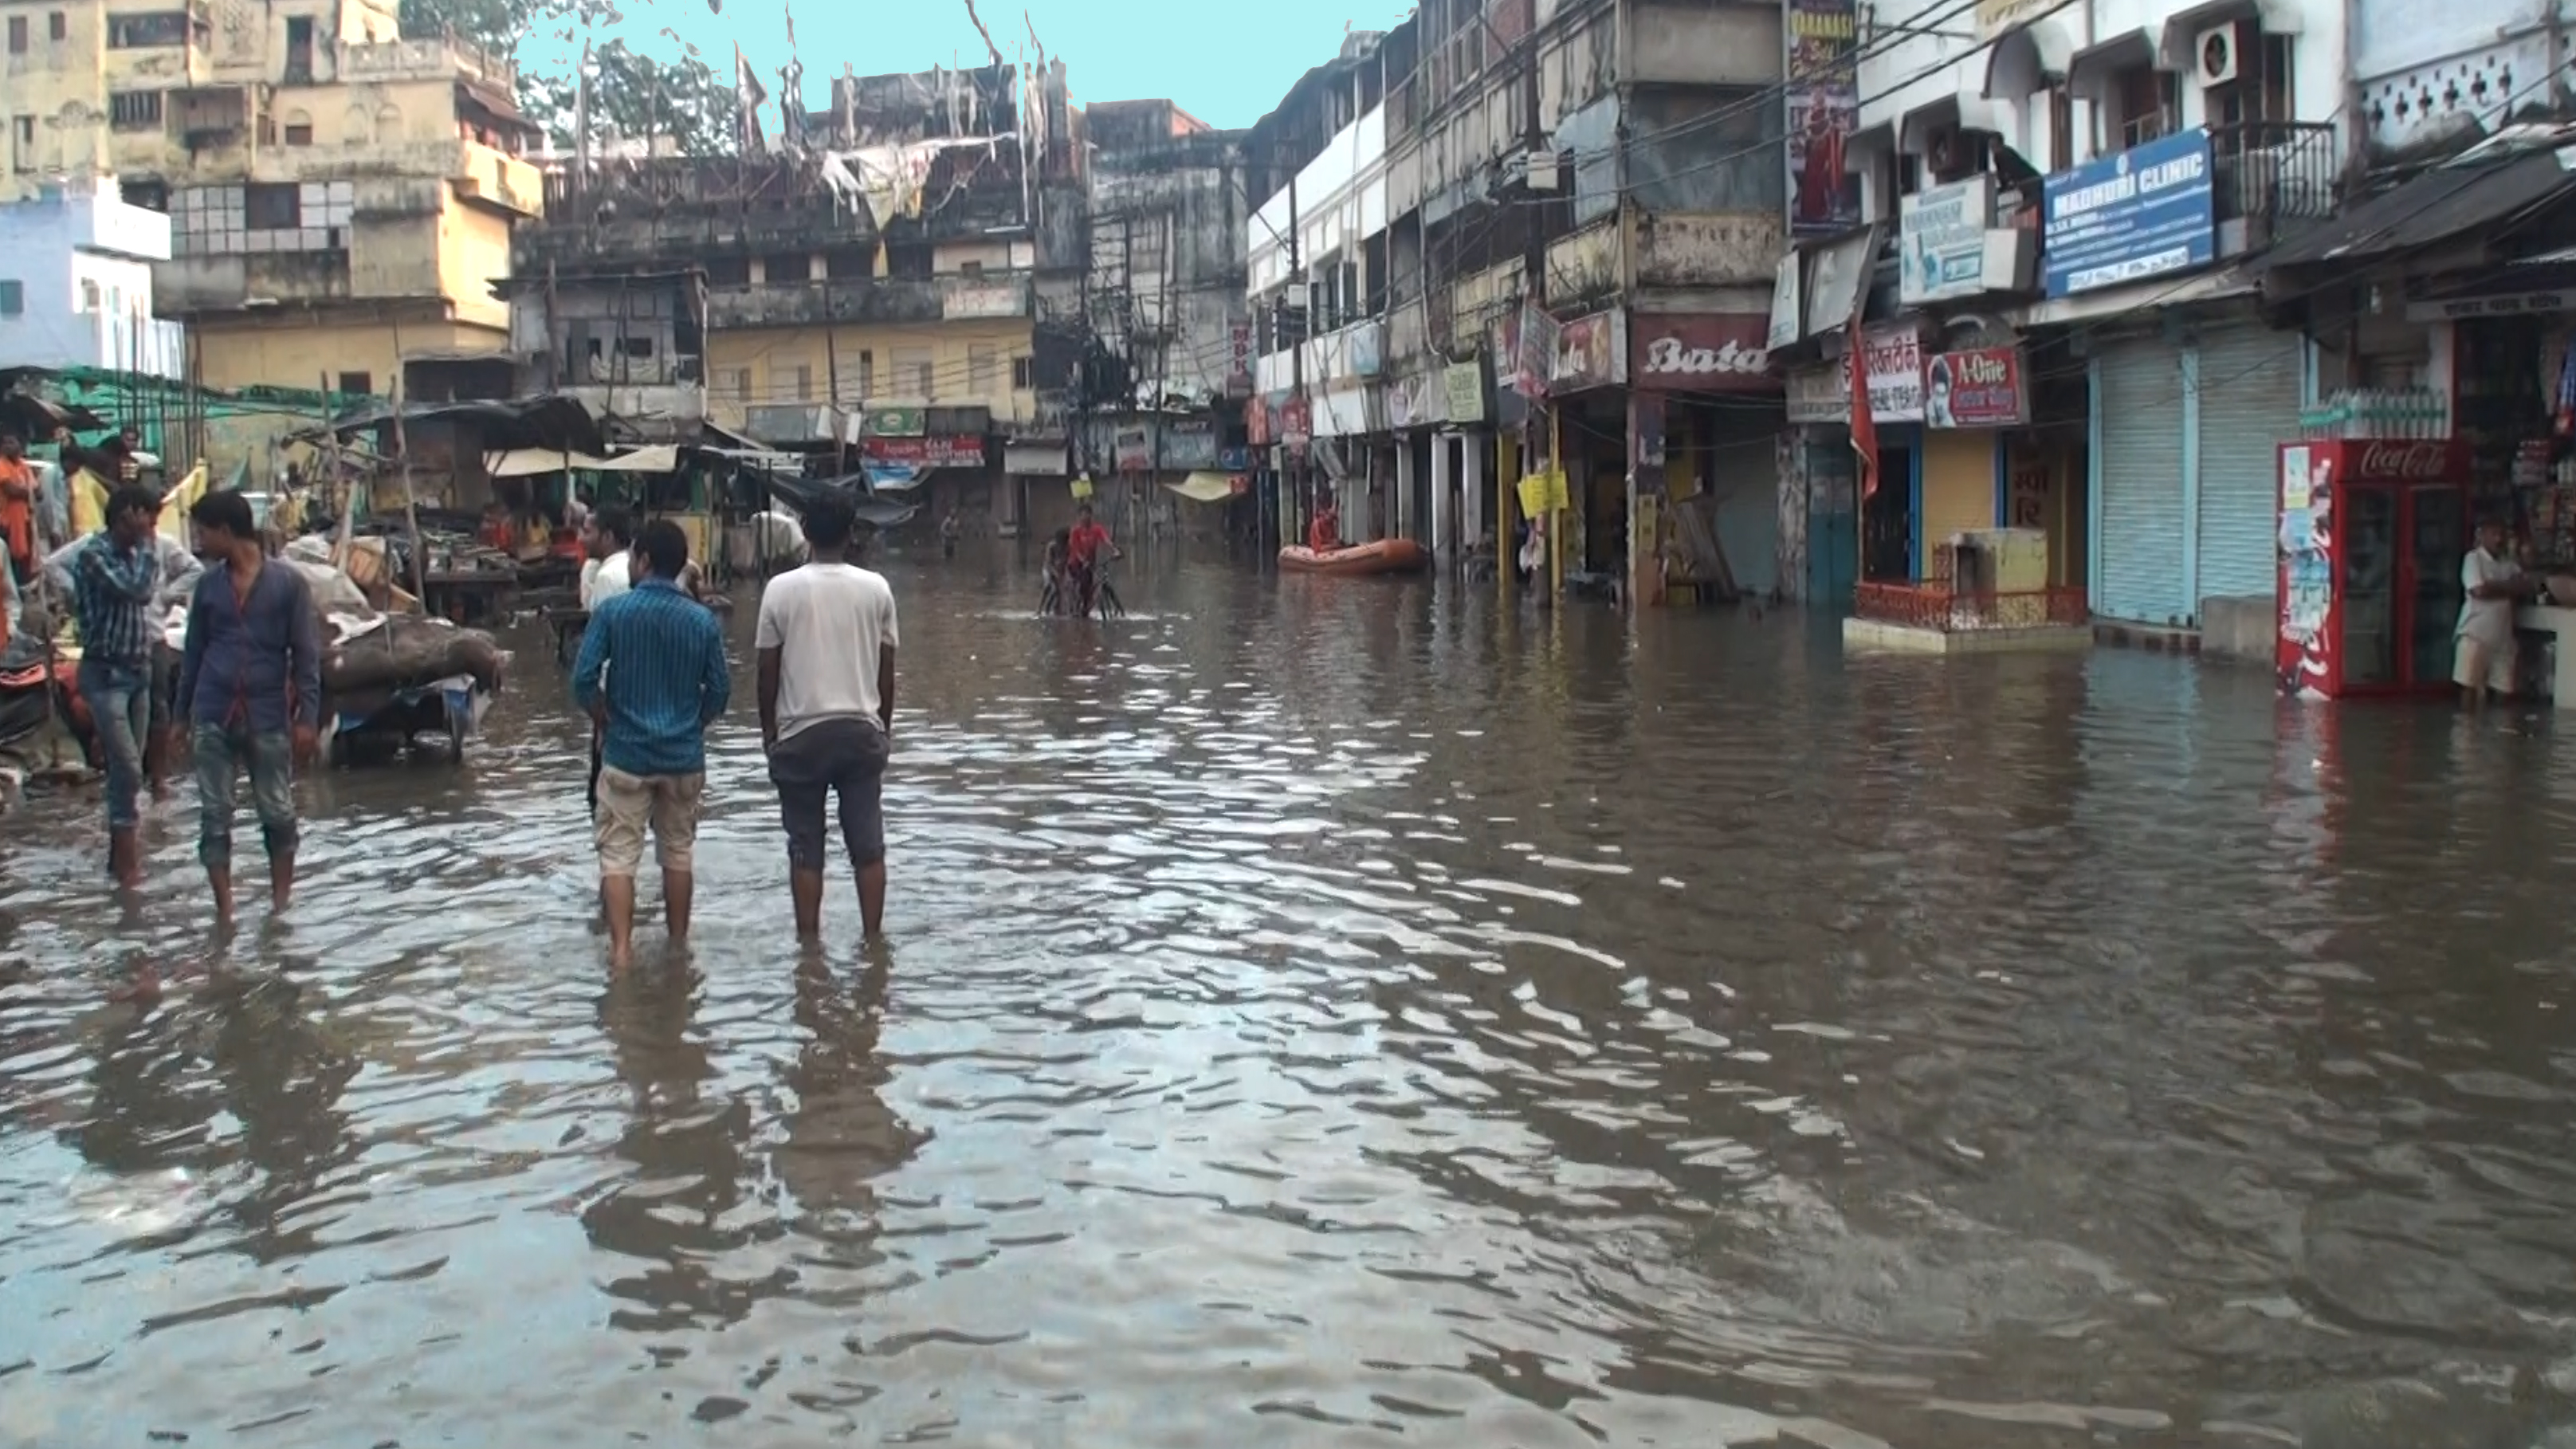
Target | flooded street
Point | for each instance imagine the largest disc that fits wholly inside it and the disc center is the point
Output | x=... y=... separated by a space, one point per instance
x=1328 y=1013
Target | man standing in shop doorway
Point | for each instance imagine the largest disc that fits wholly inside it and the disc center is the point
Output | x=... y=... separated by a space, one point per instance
x=2482 y=658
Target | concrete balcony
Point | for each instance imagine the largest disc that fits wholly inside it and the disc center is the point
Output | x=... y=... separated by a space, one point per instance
x=184 y=286
x=890 y=301
x=1354 y=353
x=2271 y=180
x=430 y=59
x=1586 y=265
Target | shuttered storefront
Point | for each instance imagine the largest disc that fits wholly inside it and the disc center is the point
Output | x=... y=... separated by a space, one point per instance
x=2139 y=455
x=1958 y=487
x=2249 y=403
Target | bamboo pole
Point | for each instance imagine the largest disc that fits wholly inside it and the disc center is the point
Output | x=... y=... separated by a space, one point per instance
x=411 y=505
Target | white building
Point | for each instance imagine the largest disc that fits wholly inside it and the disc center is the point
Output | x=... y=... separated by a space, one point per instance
x=2072 y=188
x=76 y=283
x=1332 y=291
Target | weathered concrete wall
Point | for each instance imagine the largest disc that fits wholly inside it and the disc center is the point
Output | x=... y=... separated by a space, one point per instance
x=1702 y=43
x=1686 y=250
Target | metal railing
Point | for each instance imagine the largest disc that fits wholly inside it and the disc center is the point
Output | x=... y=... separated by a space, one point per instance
x=1937 y=606
x=2277 y=175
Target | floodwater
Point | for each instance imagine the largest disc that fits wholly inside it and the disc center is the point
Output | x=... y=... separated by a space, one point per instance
x=1331 y=1012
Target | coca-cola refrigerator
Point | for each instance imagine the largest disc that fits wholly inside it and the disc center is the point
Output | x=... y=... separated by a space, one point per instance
x=2372 y=534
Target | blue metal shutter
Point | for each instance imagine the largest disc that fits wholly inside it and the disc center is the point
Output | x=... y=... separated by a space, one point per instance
x=2249 y=404
x=2139 y=454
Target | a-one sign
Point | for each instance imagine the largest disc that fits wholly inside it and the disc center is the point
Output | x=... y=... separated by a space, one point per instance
x=1700 y=352
x=1977 y=388
x=2146 y=212
x=1941 y=240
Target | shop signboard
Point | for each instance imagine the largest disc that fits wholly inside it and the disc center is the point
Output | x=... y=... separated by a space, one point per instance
x=1465 y=384
x=1941 y=241
x=1534 y=350
x=2492 y=304
x=1297 y=421
x=1260 y=421
x=2146 y=212
x=1591 y=352
x=893 y=421
x=1043 y=460
x=926 y=452
x=1413 y=401
x=1700 y=352
x=1977 y=388
x=1785 y=315
x=1894 y=357
x=1132 y=449
x=1238 y=369
x=1820 y=394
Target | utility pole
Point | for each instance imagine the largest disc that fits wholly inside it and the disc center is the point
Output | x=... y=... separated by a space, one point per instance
x=1292 y=517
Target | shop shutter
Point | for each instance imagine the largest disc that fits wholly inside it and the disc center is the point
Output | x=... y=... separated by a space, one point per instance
x=2139 y=453
x=2249 y=404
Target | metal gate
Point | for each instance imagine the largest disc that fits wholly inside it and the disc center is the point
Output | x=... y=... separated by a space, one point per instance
x=2138 y=454
x=2249 y=404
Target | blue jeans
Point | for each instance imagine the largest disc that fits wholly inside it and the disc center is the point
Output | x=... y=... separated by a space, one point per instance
x=119 y=697
x=222 y=752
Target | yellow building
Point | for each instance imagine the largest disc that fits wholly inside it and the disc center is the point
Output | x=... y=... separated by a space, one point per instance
x=340 y=198
x=960 y=337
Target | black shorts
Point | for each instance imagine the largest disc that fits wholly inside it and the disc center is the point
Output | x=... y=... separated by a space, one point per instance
x=844 y=757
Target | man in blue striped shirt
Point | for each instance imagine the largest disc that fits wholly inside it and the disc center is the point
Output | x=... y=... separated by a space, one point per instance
x=663 y=657
x=114 y=577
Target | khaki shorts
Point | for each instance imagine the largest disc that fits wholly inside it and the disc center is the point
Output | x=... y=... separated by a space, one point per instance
x=2476 y=664
x=630 y=804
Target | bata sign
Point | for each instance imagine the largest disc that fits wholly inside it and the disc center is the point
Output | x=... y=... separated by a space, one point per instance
x=2419 y=462
x=1711 y=352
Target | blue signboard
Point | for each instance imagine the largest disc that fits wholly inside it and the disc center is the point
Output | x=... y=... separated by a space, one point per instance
x=2144 y=213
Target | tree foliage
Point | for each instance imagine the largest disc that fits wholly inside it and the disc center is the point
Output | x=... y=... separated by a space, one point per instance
x=633 y=94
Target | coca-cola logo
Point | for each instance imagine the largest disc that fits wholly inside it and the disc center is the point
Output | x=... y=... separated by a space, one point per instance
x=2404 y=462
x=1671 y=357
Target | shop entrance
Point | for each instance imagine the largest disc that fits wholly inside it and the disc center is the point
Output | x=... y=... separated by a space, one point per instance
x=1887 y=520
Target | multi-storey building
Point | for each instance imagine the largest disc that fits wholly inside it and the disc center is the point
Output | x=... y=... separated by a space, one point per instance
x=76 y=283
x=1164 y=302
x=875 y=293
x=2058 y=211
x=339 y=197
x=1554 y=253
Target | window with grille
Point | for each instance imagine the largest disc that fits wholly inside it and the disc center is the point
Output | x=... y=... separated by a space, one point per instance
x=2149 y=100
x=912 y=373
x=135 y=111
x=13 y=298
x=143 y=32
x=1024 y=374
x=17 y=35
x=980 y=371
x=867 y=373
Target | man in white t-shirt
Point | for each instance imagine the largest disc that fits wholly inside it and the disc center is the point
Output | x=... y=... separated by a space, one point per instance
x=607 y=537
x=2482 y=652
x=827 y=643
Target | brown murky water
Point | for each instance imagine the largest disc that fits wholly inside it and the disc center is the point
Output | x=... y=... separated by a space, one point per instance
x=1323 y=1013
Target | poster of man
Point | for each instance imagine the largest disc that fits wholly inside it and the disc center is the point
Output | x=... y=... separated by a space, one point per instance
x=1823 y=101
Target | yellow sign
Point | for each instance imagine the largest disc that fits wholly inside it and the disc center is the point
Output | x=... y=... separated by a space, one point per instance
x=1544 y=493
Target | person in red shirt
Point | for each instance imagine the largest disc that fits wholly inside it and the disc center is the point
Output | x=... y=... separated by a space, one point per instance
x=1325 y=533
x=1083 y=547
x=17 y=507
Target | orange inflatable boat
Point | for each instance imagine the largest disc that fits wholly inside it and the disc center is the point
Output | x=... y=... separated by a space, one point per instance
x=1386 y=556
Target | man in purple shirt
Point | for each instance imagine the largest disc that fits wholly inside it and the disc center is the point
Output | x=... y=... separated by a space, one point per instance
x=250 y=681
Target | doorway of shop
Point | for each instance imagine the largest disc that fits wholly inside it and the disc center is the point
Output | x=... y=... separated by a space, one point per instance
x=1887 y=520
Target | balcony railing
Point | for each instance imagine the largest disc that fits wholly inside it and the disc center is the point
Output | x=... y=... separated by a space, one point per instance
x=2274 y=177
x=1938 y=606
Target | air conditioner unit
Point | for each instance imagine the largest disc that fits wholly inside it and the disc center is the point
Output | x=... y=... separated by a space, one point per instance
x=2219 y=58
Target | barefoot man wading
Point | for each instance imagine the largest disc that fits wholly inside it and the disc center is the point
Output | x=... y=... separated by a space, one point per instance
x=827 y=640
x=250 y=681
x=652 y=674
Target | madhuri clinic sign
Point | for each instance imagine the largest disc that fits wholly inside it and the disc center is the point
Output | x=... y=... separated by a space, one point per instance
x=2143 y=213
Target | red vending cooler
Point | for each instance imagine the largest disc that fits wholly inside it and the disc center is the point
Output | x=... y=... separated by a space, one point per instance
x=2372 y=534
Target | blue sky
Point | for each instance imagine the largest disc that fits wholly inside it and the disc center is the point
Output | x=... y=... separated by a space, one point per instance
x=1228 y=68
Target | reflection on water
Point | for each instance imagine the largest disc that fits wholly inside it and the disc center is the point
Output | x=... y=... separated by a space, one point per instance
x=1321 y=1013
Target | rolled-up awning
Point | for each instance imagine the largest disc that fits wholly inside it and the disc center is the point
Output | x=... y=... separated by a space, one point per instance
x=529 y=462
x=1204 y=487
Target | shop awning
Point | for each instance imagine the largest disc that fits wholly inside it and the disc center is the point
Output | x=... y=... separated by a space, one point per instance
x=1204 y=487
x=2476 y=194
x=529 y=462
